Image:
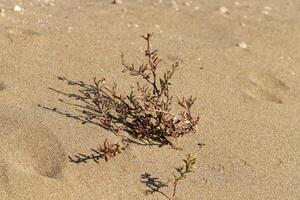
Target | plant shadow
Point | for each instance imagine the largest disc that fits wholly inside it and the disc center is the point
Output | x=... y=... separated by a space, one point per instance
x=85 y=111
x=83 y=158
x=154 y=184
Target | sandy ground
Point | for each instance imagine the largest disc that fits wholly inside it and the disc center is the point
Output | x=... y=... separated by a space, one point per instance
x=240 y=58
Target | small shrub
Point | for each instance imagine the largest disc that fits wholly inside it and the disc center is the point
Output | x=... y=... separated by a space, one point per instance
x=146 y=112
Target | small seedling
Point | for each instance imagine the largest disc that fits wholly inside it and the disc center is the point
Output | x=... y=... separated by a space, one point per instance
x=189 y=164
x=154 y=184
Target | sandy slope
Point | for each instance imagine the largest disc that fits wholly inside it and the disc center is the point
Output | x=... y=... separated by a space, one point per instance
x=248 y=99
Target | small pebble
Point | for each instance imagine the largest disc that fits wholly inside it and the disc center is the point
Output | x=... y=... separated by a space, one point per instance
x=18 y=8
x=265 y=12
x=175 y=5
x=236 y=3
x=70 y=29
x=243 y=45
x=267 y=8
x=224 y=10
x=2 y=12
x=186 y=4
x=117 y=2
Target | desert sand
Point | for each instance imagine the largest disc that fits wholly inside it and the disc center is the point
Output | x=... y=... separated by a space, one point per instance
x=241 y=59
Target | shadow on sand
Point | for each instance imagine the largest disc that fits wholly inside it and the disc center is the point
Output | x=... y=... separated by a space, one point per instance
x=82 y=108
x=154 y=184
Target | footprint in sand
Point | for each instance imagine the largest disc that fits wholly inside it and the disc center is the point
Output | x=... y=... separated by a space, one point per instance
x=30 y=146
x=265 y=87
x=16 y=33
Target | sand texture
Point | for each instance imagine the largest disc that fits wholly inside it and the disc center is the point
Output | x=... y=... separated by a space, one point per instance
x=241 y=59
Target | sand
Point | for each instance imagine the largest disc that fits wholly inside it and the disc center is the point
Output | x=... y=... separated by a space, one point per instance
x=240 y=58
